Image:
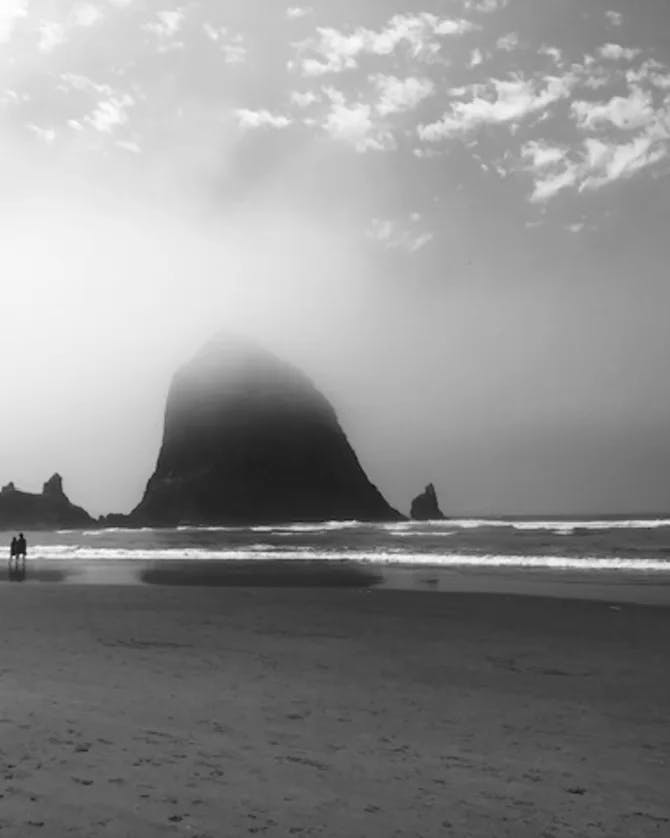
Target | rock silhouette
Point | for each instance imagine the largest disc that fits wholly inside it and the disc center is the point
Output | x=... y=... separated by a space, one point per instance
x=50 y=509
x=249 y=439
x=425 y=506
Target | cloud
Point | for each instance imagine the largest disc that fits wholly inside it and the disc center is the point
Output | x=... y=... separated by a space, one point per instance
x=554 y=53
x=297 y=12
x=353 y=124
x=508 y=42
x=624 y=112
x=303 y=99
x=86 y=15
x=235 y=52
x=232 y=46
x=398 y=95
x=615 y=52
x=596 y=163
x=333 y=51
x=261 y=119
x=110 y=113
x=549 y=185
x=165 y=27
x=607 y=162
x=541 y=154
x=615 y=18
x=10 y=12
x=650 y=72
x=107 y=109
x=52 y=34
x=476 y=58
x=399 y=235
x=129 y=145
x=46 y=135
x=485 y=7
x=76 y=81
x=497 y=102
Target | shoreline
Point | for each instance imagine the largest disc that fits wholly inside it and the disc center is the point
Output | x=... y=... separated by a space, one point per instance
x=613 y=586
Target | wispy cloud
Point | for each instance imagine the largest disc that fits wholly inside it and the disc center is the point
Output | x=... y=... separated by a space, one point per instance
x=110 y=113
x=594 y=164
x=623 y=112
x=508 y=42
x=355 y=125
x=615 y=18
x=86 y=14
x=606 y=162
x=261 y=119
x=297 y=12
x=485 y=6
x=232 y=46
x=498 y=102
x=304 y=98
x=52 y=34
x=333 y=51
x=616 y=52
x=165 y=27
x=398 y=95
x=10 y=12
x=402 y=234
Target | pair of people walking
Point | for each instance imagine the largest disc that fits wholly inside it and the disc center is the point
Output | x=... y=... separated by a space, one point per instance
x=18 y=548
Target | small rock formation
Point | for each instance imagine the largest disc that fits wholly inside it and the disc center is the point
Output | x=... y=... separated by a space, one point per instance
x=53 y=488
x=48 y=510
x=249 y=439
x=425 y=506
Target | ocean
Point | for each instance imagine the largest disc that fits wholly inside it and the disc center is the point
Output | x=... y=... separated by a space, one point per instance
x=639 y=545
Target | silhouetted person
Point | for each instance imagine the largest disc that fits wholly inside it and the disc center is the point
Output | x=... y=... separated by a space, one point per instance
x=17 y=567
x=21 y=546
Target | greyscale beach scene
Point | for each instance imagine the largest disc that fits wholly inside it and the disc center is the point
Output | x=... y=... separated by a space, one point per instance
x=334 y=454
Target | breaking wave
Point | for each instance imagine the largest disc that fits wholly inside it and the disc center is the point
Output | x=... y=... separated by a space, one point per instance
x=443 y=527
x=258 y=552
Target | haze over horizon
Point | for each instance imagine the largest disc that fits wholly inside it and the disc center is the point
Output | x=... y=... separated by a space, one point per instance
x=452 y=215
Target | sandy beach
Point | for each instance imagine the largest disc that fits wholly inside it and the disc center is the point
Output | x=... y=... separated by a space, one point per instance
x=157 y=710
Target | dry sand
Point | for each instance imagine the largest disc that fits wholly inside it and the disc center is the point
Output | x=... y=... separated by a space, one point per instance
x=144 y=711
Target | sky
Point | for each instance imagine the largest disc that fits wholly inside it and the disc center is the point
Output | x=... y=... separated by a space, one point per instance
x=452 y=215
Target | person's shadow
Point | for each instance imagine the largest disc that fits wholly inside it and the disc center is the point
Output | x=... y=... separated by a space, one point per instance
x=17 y=570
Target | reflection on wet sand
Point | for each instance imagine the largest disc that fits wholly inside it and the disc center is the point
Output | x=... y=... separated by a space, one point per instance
x=17 y=571
x=297 y=574
x=642 y=588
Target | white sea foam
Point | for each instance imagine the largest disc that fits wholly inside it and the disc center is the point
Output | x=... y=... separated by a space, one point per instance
x=438 y=527
x=382 y=557
x=557 y=526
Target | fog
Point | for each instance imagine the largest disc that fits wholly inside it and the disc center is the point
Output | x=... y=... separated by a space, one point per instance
x=518 y=366
x=514 y=398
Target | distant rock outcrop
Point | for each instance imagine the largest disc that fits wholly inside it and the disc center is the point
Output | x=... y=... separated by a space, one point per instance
x=249 y=439
x=425 y=506
x=48 y=510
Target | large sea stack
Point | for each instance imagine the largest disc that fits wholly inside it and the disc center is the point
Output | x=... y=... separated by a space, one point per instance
x=249 y=439
x=48 y=510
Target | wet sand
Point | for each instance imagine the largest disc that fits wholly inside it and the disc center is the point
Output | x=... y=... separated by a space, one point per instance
x=158 y=709
x=644 y=588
